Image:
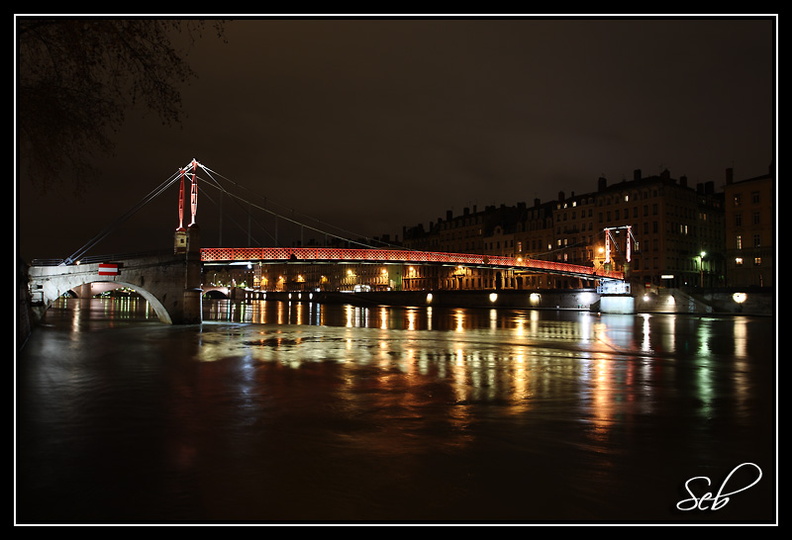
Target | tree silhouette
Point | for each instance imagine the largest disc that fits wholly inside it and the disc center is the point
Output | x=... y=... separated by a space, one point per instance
x=76 y=78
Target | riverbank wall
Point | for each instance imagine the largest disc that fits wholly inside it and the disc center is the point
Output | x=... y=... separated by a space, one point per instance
x=722 y=301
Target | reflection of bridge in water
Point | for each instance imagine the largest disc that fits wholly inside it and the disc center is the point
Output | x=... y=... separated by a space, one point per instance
x=174 y=282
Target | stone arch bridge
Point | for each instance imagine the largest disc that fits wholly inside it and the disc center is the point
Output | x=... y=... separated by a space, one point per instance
x=171 y=283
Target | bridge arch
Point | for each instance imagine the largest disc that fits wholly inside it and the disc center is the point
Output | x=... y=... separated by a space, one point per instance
x=166 y=282
x=216 y=292
x=67 y=287
x=94 y=288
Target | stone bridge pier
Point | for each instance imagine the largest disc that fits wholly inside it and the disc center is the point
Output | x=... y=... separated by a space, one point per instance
x=171 y=283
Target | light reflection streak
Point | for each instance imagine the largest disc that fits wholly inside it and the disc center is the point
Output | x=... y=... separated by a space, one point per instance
x=459 y=317
x=412 y=318
x=704 y=331
x=75 y=319
x=586 y=328
x=384 y=318
x=669 y=340
x=742 y=369
x=602 y=408
x=740 y=338
x=705 y=368
x=519 y=326
x=645 y=332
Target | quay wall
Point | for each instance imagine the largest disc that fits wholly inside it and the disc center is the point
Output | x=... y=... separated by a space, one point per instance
x=756 y=302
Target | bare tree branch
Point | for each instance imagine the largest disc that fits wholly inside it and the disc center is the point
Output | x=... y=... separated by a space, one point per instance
x=76 y=77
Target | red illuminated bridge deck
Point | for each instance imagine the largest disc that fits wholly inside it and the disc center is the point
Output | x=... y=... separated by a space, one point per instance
x=338 y=255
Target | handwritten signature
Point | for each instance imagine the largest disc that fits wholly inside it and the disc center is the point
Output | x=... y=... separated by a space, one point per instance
x=708 y=501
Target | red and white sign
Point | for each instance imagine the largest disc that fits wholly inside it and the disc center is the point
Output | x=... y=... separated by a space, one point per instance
x=108 y=269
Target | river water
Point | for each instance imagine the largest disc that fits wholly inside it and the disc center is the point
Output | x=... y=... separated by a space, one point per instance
x=299 y=413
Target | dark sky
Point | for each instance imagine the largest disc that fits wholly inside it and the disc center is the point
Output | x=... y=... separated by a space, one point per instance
x=377 y=124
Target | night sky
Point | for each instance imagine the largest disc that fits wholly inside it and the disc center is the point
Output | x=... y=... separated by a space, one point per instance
x=372 y=125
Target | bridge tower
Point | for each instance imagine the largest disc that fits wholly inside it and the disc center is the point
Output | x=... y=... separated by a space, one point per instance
x=187 y=239
x=187 y=242
x=611 y=241
x=615 y=295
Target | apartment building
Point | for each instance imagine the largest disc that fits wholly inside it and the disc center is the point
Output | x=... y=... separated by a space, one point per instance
x=750 y=230
x=676 y=231
x=657 y=229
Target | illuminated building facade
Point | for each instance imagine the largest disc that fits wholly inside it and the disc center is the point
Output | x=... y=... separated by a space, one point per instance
x=750 y=231
x=672 y=225
x=658 y=230
x=667 y=223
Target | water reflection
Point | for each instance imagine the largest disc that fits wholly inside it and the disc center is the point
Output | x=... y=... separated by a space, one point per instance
x=640 y=336
x=520 y=357
x=301 y=410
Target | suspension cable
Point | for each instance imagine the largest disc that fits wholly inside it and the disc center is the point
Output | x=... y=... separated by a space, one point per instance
x=118 y=221
x=279 y=215
x=74 y=257
x=292 y=220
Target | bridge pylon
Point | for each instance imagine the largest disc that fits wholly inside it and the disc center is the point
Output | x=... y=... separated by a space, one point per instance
x=187 y=242
x=187 y=239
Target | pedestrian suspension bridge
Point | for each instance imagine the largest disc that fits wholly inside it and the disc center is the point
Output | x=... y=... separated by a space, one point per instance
x=172 y=281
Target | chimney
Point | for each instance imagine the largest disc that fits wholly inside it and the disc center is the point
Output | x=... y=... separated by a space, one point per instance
x=602 y=183
x=729 y=175
x=637 y=174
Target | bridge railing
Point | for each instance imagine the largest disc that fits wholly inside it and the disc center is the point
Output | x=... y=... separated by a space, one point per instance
x=363 y=255
x=397 y=256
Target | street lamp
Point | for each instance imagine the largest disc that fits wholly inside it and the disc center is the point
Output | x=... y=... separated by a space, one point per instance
x=701 y=267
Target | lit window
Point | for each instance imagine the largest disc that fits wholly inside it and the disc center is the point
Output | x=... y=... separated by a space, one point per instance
x=738 y=261
x=757 y=261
